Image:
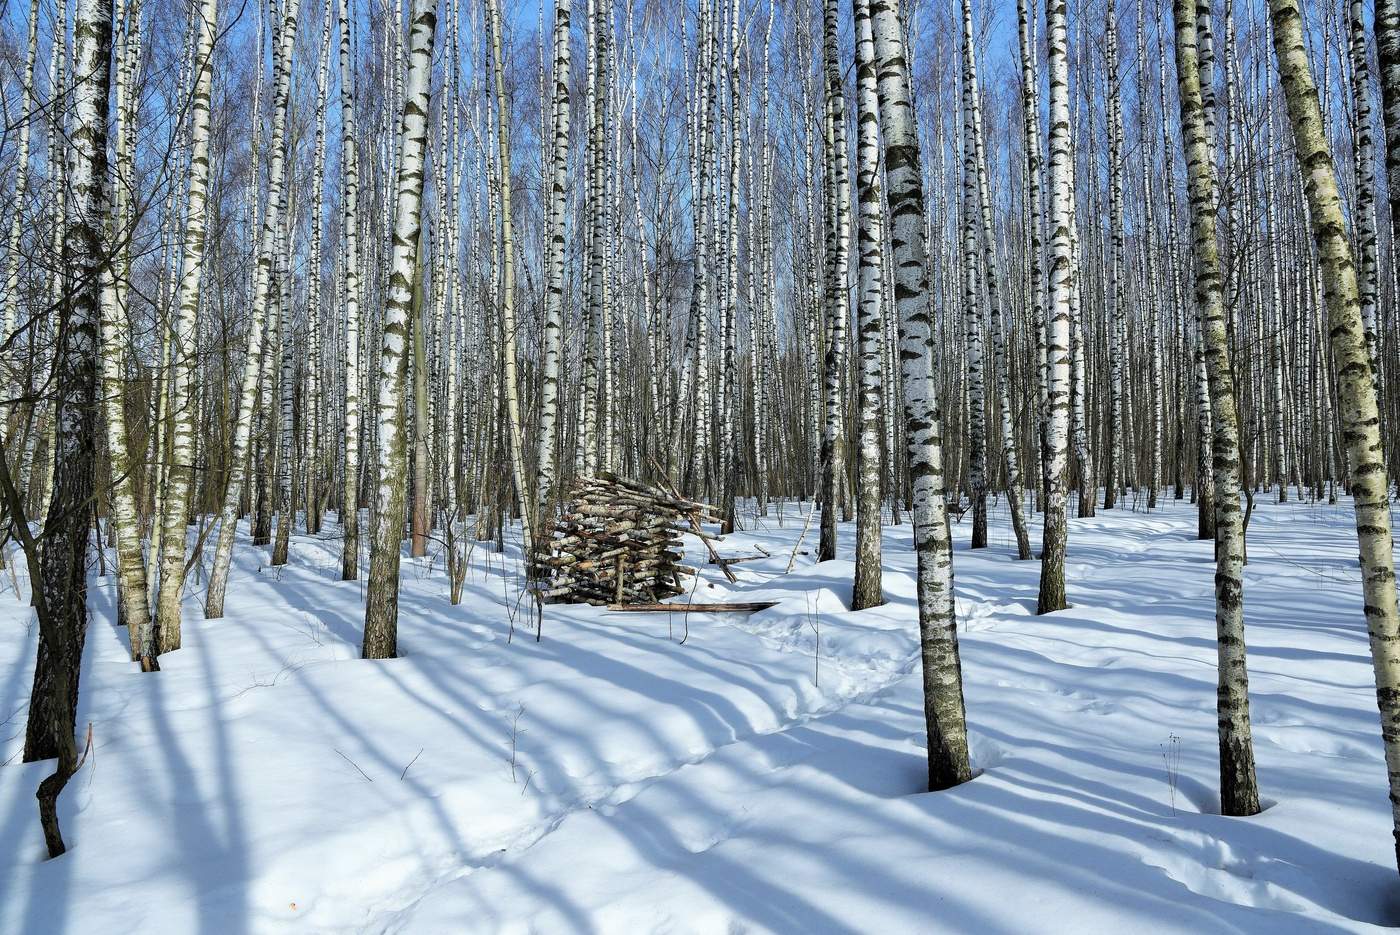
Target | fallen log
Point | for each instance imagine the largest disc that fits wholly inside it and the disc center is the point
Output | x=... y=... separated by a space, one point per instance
x=730 y=607
x=762 y=553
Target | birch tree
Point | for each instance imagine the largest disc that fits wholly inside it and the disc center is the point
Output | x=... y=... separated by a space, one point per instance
x=944 y=712
x=350 y=291
x=180 y=473
x=134 y=608
x=27 y=103
x=1239 y=790
x=263 y=298
x=1367 y=281
x=1001 y=372
x=510 y=378
x=866 y=591
x=555 y=226
x=1035 y=210
x=972 y=299
x=838 y=237
x=1062 y=272
x=382 y=602
x=61 y=593
x=1387 y=30
x=1356 y=389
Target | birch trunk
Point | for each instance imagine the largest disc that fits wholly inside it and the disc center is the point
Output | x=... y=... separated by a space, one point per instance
x=382 y=605
x=1115 y=294
x=1035 y=207
x=1001 y=372
x=184 y=338
x=1364 y=153
x=315 y=384
x=1239 y=790
x=59 y=195
x=262 y=297
x=11 y=312
x=867 y=591
x=1387 y=29
x=515 y=427
x=944 y=711
x=1062 y=274
x=285 y=465
x=728 y=469
x=972 y=300
x=558 y=180
x=1356 y=389
x=350 y=271
x=61 y=602
x=594 y=388
x=134 y=607
x=838 y=238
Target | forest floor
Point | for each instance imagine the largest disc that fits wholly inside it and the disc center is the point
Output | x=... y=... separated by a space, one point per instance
x=635 y=773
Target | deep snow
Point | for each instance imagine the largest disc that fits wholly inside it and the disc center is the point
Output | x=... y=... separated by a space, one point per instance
x=720 y=774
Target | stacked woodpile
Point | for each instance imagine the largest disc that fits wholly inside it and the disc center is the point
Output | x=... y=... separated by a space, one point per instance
x=619 y=542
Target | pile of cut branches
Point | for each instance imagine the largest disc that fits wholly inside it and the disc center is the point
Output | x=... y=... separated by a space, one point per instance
x=619 y=542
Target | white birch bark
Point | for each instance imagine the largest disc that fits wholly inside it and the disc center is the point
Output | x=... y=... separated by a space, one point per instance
x=515 y=425
x=597 y=221
x=975 y=378
x=1062 y=273
x=942 y=669
x=867 y=590
x=350 y=287
x=558 y=180
x=1364 y=153
x=382 y=604
x=1115 y=293
x=315 y=383
x=835 y=299
x=1239 y=791
x=12 y=262
x=262 y=297
x=1001 y=373
x=1035 y=208
x=1356 y=389
x=134 y=606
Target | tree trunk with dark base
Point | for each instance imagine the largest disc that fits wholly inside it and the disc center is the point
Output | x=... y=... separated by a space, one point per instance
x=61 y=595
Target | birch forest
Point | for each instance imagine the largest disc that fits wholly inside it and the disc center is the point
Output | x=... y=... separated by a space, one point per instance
x=784 y=465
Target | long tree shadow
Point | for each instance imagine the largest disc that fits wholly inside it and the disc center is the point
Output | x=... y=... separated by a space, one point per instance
x=49 y=896
x=213 y=855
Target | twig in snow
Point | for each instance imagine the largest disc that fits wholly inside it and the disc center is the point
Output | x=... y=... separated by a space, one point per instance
x=515 y=733
x=686 y=616
x=12 y=714
x=354 y=764
x=1171 y=759
x=310 y=631
x=410 y=763
x=792 y=560
x=539 y=614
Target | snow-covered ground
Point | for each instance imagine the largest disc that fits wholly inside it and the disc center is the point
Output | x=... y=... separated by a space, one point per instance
x=645 y=773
